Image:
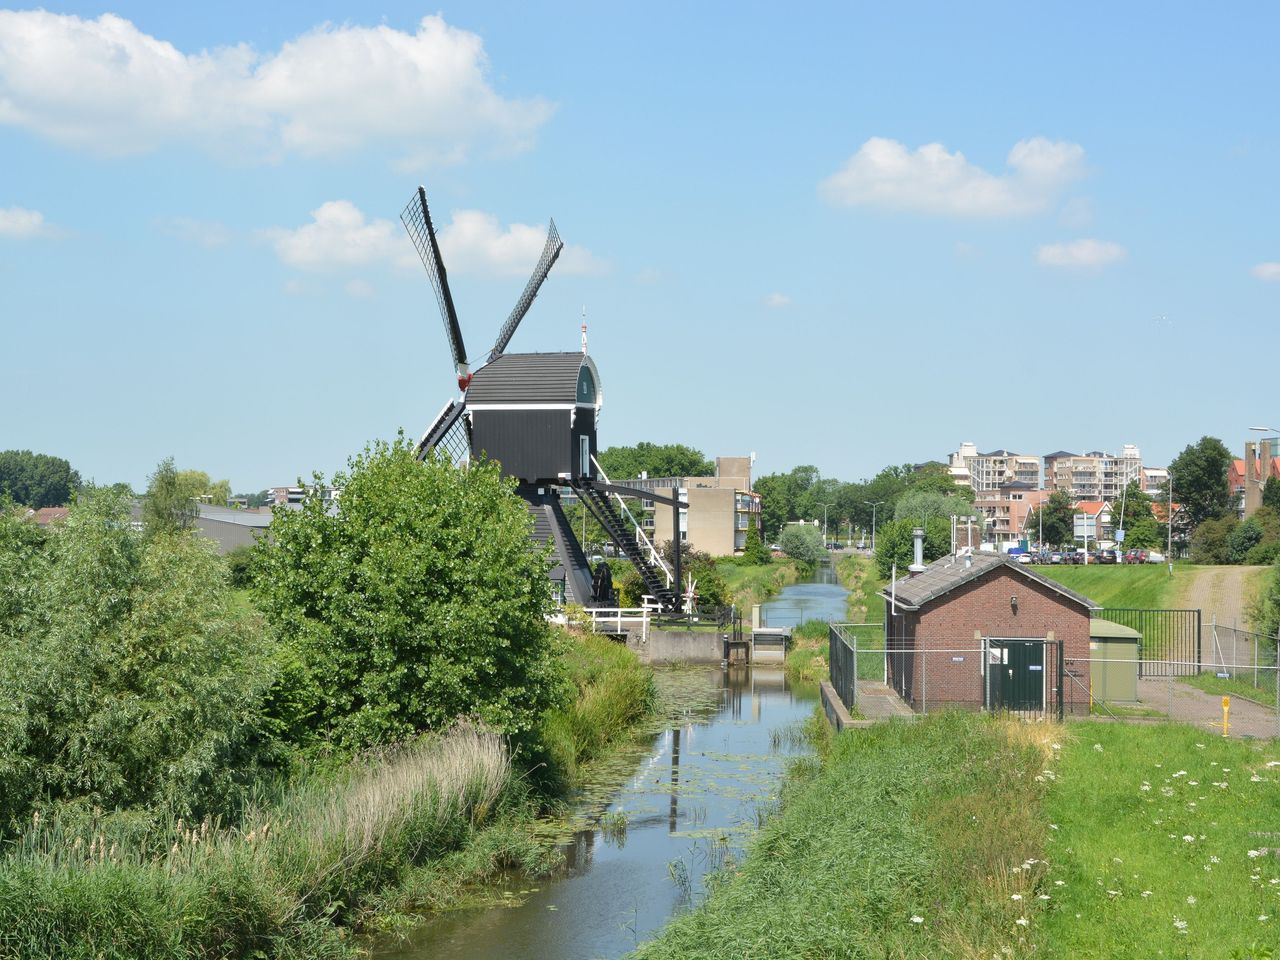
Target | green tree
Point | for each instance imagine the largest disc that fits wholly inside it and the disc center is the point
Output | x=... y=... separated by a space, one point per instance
x=1271 y=493
x=1264 y=610
x=21 y=562
x=131 y=678
x=754 y=551
x=1143 y=534
x=655 y=460
x=1211 y=540
x=803 y=543
x=417 y=602
x=919 y=505
x=1199 y=476
x=167 y=506
x=36 y=479
x=1057 y=522
x=710 y=587
x=895 y=543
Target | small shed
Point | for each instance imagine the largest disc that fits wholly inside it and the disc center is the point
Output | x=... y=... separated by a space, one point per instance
x=539 y=410
x=1114 y=653
x=983 y=631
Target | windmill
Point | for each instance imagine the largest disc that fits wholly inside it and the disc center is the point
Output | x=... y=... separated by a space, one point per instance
x=536 y=414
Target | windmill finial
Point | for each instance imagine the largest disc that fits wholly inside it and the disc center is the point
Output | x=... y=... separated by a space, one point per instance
x=584 y=328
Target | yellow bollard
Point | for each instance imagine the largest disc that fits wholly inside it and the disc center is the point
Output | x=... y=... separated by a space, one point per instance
x=1226 y=710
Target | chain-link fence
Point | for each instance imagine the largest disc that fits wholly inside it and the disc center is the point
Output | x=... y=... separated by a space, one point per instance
x=1238 y=698
x=1033 y=678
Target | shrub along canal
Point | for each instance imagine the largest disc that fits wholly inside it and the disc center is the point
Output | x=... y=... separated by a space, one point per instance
x=668 y=814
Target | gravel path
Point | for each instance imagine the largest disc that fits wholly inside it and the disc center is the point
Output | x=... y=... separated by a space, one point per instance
x=1224 y=591
x=1205 y=709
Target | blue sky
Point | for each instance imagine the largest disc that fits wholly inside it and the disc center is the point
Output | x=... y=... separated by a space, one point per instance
x=846 y=236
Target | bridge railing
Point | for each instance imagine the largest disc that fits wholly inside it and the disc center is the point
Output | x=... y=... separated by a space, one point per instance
x=654 y=556
x=620 y=620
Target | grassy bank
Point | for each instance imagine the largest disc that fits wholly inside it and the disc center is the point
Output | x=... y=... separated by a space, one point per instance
x=909 y=841
x=329 y=855
x=959 y=835
x=1123 y=585
x=859 y=576
x=1264 y=692
x=1151 y=851
x=752 y=584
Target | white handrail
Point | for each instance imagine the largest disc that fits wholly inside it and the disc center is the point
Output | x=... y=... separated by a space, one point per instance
x=654 y=556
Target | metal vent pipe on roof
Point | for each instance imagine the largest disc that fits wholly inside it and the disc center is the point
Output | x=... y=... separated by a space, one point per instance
x=917 y=534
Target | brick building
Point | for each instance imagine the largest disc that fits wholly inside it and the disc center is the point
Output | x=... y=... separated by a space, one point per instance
x=983 y=631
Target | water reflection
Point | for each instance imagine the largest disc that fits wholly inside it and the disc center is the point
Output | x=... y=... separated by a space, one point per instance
x=696 y=796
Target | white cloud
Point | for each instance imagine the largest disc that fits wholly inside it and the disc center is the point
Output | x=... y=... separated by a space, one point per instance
x=339 y=235
x=475 y=242
x=19 y=224
x=777 y=300
x=359 y=289
x=204 y=233
x=107 y=86
x=1263 y=271
x=885 y=173
x=1084 y=254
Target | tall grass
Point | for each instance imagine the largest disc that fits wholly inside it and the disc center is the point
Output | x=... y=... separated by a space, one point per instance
x=912 y=840
x=749 y=584
x=285 y=884
x=612 y=691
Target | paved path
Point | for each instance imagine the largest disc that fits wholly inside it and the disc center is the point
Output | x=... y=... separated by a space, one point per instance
x=879 y=701
x=1204 y=710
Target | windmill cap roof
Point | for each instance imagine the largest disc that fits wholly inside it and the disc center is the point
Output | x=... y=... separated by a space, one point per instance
x=942 y=576
x=530 y=378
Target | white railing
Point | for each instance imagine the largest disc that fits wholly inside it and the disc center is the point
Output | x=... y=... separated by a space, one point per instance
x=654 y=556
x=620 y=619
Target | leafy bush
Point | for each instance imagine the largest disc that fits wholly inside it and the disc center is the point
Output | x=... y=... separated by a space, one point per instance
x=418 y=601
x=240 y=567
x=803 y=543
x=754 y=551
x=895 y=543
x=128 y=677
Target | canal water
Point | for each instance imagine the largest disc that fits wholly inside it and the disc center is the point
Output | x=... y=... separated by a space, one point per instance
x=693 y=797
x=819 y=598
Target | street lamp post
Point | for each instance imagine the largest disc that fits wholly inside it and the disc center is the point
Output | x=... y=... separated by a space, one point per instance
x=873 y=521
x=825 y=507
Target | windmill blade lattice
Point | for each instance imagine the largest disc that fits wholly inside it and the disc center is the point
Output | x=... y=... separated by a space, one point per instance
x=550 y=250
x=417 y=220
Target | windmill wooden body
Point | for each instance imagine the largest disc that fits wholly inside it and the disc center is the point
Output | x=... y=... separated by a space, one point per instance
x=537 y=414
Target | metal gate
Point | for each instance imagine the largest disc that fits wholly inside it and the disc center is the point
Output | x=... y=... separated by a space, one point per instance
x=1023 y=676
x=1170 y=645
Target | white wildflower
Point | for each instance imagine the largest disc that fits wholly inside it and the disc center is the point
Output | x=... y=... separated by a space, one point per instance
x=1214 y=860
x=1146 y=893
x=1254 y=854
x=1043 y=896
x=1180 y=923
x=1063 y=883
x=1022 y=921
x=1191 y=901
x=1016 y=896
x=1098 y=747
x=916 y=918
x=1188 y=838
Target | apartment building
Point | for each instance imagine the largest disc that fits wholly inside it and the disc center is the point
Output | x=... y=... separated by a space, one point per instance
x=988 y=472
x=1092 y=477
x=721 y=508
x=1006 y=509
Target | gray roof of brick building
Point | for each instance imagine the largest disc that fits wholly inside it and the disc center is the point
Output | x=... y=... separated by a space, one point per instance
x=942 y=576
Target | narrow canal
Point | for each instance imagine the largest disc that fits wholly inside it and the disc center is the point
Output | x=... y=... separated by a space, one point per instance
x=694 y=797
x=819 y=598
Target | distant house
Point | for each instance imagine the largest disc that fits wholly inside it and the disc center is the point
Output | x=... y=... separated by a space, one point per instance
x=47 y=515
x=985 y=632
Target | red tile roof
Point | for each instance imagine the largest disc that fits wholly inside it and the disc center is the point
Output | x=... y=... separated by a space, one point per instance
x=46 y=515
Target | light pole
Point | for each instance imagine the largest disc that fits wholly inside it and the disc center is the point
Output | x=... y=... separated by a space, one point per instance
x=873 y=521
x=825 y=507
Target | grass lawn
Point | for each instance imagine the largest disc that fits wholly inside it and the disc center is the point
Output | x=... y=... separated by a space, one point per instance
x=1149 y=850
x=1145 y=585
x=1265 y=693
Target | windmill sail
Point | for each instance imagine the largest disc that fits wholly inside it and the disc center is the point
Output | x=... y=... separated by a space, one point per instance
x=417 y=220
x=550 y=250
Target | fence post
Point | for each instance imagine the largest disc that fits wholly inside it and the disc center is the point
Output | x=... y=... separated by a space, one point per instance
x=853 y=681
x=924 y=681
x=1168 y=682
x=1061 y=666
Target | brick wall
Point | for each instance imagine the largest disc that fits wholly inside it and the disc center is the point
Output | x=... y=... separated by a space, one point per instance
x=982 y=606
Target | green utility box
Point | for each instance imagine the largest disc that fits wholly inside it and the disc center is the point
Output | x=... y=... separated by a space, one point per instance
x=1113 y=662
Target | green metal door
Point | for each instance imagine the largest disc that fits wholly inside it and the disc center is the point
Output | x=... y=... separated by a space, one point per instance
x=1015 y=675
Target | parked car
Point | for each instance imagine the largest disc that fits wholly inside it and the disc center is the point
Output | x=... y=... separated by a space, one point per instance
x=1154 y=557
x=1026 y=558
x=1055 y=557
x=1107 y=556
